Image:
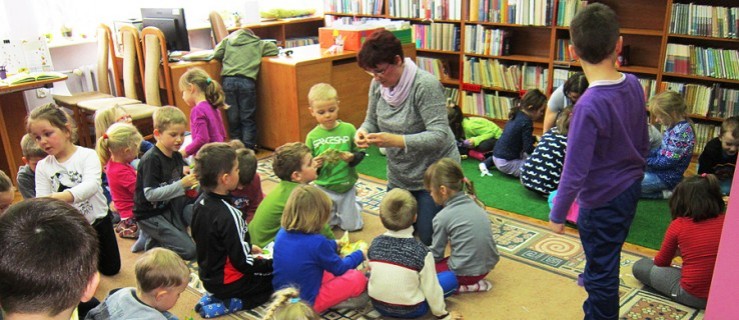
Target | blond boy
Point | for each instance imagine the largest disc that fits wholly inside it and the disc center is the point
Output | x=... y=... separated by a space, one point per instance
x=161 y=276
x=332 y=144
x=26 y=177
x=719 y=155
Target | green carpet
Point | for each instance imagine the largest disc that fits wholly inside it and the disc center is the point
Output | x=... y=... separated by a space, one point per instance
x=506 y=193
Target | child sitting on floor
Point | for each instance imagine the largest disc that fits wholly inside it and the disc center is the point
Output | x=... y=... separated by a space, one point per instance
x=541 y=171
x=719 y=155
x=161 y=276
x=286 y=305
x=308 y=260
x=403 y=282
x=6 y=192
x=26 y=177
x=517 y=141
x=697 y=210
x=294 y=165
x=336 y=155
x=462 y=223
x=248 y=194
x=667 y=164
x=227 y=266
x=475 y=136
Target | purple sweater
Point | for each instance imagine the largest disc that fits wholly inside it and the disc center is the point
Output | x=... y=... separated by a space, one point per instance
x=606 y=147
x=206 y=126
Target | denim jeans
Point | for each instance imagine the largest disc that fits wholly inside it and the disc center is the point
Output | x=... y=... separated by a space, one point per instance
x=427 y=210
x=652 y=186
x=241 y=96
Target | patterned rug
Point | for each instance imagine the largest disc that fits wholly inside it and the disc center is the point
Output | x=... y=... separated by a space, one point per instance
x=518 y=241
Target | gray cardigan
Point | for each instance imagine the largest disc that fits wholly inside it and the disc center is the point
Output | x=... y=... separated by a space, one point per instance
x=422 y=121
x=466 y=226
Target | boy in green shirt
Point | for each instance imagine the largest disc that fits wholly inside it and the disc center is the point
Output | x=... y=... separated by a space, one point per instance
x=294 y=165
x=332 y=145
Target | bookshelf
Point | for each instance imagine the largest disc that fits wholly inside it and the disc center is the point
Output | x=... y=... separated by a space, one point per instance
x=538 y=31
x=291 y=32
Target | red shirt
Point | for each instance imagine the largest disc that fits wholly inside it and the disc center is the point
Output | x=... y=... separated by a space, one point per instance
x=248 y=198
x=122 y=183
x=698 y=244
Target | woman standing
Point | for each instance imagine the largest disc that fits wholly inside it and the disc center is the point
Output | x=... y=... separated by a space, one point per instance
x=406 y=114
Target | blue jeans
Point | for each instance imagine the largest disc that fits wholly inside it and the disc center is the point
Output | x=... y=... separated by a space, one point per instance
x=449 y=284
x=241 y=96
x=652 y=186
x=603 y=231
x=427 y=210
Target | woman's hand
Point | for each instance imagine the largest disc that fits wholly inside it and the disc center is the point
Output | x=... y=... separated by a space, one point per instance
x=360 y=138
x=386 y=140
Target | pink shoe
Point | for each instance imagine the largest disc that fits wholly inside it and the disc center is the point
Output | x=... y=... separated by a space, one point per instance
x=476 y=155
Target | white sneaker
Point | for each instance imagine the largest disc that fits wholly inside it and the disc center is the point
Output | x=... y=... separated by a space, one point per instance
x=383 y=151
x=666 y=194
x=484 y=170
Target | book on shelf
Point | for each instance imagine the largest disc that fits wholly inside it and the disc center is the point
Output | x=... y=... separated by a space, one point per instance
x=437 y=67
x=429 y=10
x=493 y=42
x=354 y=7
x=567 y=9
x=704 y=132
x=26 y=77
x=436 y=36
x=488 y=105
x=511 y=77
x=708 y=62
x=522 y=12
x=704 y=100
x=704 y=20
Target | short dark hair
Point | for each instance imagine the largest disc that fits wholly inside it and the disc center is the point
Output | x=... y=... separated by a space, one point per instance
x=455 y=116
x=594 y=32
x=697 y=197
x=213 y=160
x=730 y=124
x=289 y=159
x=247 y=165
x=576 y=83
x=380 y=47
x=57 y=259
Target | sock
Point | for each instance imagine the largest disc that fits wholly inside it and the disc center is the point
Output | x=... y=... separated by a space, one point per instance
x=140 y=243
x=211 y=307
x=205 y=300
x=481 y=286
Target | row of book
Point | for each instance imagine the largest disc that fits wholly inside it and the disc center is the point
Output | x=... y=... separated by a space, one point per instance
x=373 y=7
x=562 y=53
x=426 y=9
x=704 y=20
x=567 y=9
x=436 y=36
x=437 y=67
x=707 y=62
x=712 y=101
x=523 y=12
x=299 y=42
x=490 y=105
x=492 y=42
x=452 y=94
x=704 y=132
x=492 y=73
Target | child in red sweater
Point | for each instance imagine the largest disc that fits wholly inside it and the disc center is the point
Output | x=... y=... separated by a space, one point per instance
x=698 y=217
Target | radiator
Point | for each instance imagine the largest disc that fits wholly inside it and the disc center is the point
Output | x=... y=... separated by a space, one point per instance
x=83 y=79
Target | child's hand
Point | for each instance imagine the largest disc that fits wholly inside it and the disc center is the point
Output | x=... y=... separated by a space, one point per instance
x=112 y=207
x=346 y=156
x=467 y=143
x=557 y=227
x=183 y=153
x=318 y=162
x=186 y=170
x=189 y=180
x=255 y=249
x=360 y=138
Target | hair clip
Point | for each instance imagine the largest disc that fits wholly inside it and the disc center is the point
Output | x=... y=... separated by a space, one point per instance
x=105 y=136
x=704 y=175
x=294 y=300
x=208 y=80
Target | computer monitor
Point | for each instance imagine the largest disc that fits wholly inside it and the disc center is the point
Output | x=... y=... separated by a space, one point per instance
x=172 y=23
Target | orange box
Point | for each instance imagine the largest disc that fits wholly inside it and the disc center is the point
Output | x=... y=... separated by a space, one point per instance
x=353 y=39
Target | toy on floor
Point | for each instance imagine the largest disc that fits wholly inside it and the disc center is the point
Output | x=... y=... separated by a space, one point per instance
x=346 y=247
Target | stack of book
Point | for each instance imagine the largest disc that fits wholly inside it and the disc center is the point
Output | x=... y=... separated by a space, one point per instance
x=491 y=73
x=567 y=9
x=436 y=36
x=523 y=12
x=427 y=9
x=439 y=68
x=492 y=42
x=488 y=105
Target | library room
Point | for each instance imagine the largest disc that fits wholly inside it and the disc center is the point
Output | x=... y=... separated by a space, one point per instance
x=254 y=159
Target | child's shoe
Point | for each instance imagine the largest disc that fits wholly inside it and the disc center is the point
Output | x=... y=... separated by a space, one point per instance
x=476 y=155
x=484 y=170
x=481 y=286
x=140 y=244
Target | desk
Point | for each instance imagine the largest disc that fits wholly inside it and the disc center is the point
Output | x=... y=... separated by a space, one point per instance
x=284 y=82
x=13 y=123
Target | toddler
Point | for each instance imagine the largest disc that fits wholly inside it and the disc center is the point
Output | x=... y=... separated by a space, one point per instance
x=475 y=136
x=72 y=174
x=666 y=165
x=403 y=282
x=462 y=223
x=697 y=210
x=307 y=259
x=517 y=141
x=161 y=276
x=332 y=144
x=32 y=154
x=719 y=155
x=207 y=98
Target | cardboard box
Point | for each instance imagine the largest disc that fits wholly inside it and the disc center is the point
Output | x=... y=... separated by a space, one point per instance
x=353 y=39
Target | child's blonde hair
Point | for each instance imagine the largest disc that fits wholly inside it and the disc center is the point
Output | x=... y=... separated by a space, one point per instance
x=5 y=183
x=398 y=209
x=286 y=305
x=56 y=117
x=166 y=116
x=105 y=117
x=668 y=106
x=30 y=149
x=446 y=172
x=322 y=92
x=563 y=121
x=211 y=88
x=307 y=210
x=118 y=137
x=289 y=159
x=160 y=268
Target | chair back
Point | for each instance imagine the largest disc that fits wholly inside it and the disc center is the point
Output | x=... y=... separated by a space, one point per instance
x=133 y=65
x=156 y=67
x=217 y=27
x=103 y=58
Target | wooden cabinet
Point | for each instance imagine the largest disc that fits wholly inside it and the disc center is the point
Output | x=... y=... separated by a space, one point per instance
x=284 y=82
x=283 y=30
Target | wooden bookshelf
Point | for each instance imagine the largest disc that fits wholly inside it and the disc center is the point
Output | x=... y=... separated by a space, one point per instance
x=285 y=29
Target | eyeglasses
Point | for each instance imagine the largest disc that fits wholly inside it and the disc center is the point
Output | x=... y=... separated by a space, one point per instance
x=125 y=117
x=379 y=72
